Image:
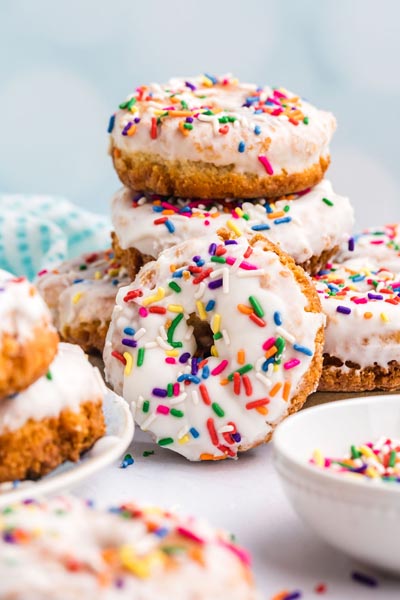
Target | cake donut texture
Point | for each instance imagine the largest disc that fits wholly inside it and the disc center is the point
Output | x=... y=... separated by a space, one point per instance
x=310 y=226
x=63 y=548
x=362 y=338
x=55 y=419
x=28 y=340
x=214 y=344
x=209 y=137
x=81 y=296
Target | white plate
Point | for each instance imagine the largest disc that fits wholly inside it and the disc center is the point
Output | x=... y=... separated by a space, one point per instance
x=119 y=433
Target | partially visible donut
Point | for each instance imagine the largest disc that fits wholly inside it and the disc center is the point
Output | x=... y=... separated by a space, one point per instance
x=28 y=340
x=214 y=344
x=310 y=226
x=66 y=549
x=378 y=245
x=209 y=137
x=362 y=338
x=55 y=419
x=81 y=296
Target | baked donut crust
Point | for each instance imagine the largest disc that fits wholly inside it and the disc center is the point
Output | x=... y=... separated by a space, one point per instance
x=335 y=378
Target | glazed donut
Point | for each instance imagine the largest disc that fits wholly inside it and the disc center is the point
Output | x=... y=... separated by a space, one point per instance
x=362 y=338
x=65 y=548
x=28 y=340
x=56 y=419
x=311 y=226
x=208 y=137
x=214 y=344
x=81 y=296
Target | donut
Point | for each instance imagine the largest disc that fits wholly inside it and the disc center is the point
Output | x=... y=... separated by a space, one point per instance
x=66 y=548
x=28 y=340
x=381 y=245
x=55 y=419
x=362 y=338
x=209 y=137
x=81 y=296
x=214 y=344
x=310 y=226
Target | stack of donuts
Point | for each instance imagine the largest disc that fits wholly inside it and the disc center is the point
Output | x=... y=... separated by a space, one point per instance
x=50 y=396
x=212 y=305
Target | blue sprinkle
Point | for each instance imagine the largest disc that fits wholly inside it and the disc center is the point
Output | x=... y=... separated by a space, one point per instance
x=258 y=111
x=206 y=372
x=333 y=287
x=129 y=331
x=277 y=318
x=237 y=437
x=111 y=124
x=188 y=377
x=268 y=362
x=282 y=220
x=115 y=282
x=268 y=208
x=177 y=274
x=261 y=227
x=211 y=78
x=303 y=349
x=78 y=280
x=323 y=272
x=194 y=432
x=161 y=532
x=170 y=226
x=357 y=278
x=201 y=262
x=257 y=130
x=241 y=147
x=157 y=208
x=210 y=305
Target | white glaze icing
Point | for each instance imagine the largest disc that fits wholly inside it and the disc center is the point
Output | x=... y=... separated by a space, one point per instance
x=303 y=228
x=290 y=148
x=356 y=285
x=67 y=550
x=71 y=380
x=378 y=245
x=83 y=290
x=22 y=310
x=182 y=415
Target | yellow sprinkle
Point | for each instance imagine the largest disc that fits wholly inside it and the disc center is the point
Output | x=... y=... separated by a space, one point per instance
x=97 y=275
x=384 y=317
x=233 y=227
x=241 y=357
x=77 y=297
x=207 y=82
x=172 y=352
x=141 y=567
x=200 y=310
x=175 y=308
x=186 y=275
x=216 y=323
x=371 y=472
x=367 y=452
x=214 y=351
x=154 y=298
x=318 y=458
x=113 y=272
x=129 y=362
x=184 y=439
x=239 y=211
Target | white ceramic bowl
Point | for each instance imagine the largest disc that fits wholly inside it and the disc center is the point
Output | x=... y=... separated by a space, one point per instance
x=360 y=517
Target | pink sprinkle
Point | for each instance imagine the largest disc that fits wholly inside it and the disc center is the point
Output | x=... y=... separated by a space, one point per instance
x=268 y=343
x=242 y=554
x=266 y=164
x=219 y=368
x=230 y=260
x=234 y=214
x=42 y=272
x=162 y=409
x=176 y=389
x=279 y=94
x=377 y=242
x=247 y=266
x=206 y=222
x=273 y=100
x=291 y=363
x=169 y=206
x=276 y=112
x=189 y=534
x=360 y=300
x=170 y=360
x=143 y=312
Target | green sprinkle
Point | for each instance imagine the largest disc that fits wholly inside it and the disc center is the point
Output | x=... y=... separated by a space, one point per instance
x=187 y=126
x=146 y=406
x=170 y=390
x=140 y=357
x=208 y=112
x=280 y=344
x=127 y=104
x=147 y=453
x=184 y=105
x=176 y=413
x=218 y=259
x=82 y=267
x=49 y=375
x=286 y=208
x=241 y=371
x=223 y=120
x=327 y=201
x=245 y=216
x=231 y=119
x=256 y=306
x=218 y=335
x=170 y=550
x=392 y=458
x=306 y=120
x=165 y=441
x=171 y=330
x=355 y=453
x=217 y=409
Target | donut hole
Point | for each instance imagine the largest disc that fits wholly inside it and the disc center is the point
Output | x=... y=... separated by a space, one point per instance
x=203 y=335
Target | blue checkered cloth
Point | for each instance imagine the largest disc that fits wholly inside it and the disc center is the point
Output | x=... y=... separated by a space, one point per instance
x=39 y=232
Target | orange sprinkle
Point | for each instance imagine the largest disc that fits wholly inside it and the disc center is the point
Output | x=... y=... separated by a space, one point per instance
x=368 y=315
x=241 y=357
x=182 y=129
x=206 y=456
x=275 y=389
x=262 y=410
x=276 y=214
x=246 y=310
x=168 y=211
x=286 y=390
x=224 y=382
x=273 y=350
x=131 y=131
x=180 y=113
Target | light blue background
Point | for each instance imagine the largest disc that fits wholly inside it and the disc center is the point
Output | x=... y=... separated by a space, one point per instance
x=65 y=64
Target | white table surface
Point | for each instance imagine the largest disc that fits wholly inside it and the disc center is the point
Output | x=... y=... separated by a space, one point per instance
x=244 y=497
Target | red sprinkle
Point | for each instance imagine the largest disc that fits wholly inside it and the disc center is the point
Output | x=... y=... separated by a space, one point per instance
x=153 y=130
x=118 y=356
x=204 y=394
x=212 y=431
x=257 y=320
